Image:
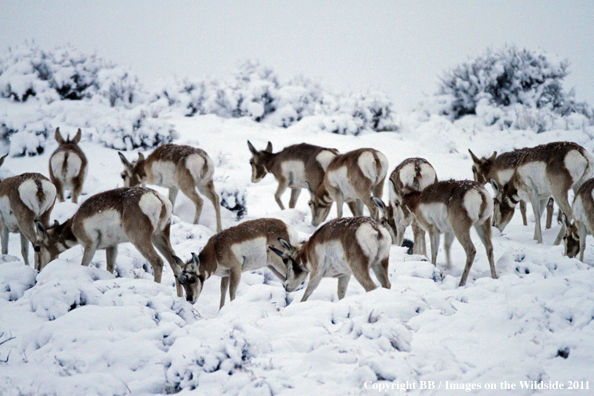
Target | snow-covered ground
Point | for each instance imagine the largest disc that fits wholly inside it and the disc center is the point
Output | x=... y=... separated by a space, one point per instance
x=72 y=330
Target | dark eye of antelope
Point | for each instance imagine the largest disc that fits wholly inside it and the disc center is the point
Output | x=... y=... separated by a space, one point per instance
x=124 y=175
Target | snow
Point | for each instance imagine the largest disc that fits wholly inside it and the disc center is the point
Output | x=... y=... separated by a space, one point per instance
x=83 y=331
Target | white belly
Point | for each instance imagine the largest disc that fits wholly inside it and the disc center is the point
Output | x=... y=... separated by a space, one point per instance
x=10 y=221
x=437 y=214
x=533 y=177
x=294 y=172
x=106 y=227
x=163 y=174
x=251 y=254
x=332 y=260
x=338 y=179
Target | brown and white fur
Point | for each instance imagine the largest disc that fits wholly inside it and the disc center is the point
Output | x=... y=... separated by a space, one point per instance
x=25 y=199
x=338 y=249
x=130 y=214
x=233 y=251
x=583 y=221
x=411 y=175
x=176 y=167
x=68 y=166
x=501 y=168
x=452 y=207
x=296 y=167
x=544 y=171
x=352 y=178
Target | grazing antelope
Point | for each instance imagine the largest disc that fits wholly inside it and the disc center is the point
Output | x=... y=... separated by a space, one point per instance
x=130 y=214
x=583 y=217
x=233 y=251
x=411 y=175
x=24 y=200
x=295 y=167
x=176 y=167
x=543 y=171
x=501 y=168
x=352 y=178
x=338 y=249
x=451 y=207
x=68 y=166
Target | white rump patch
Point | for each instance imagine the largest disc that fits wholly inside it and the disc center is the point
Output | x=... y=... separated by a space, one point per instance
x=195 y=164
x=366 y=162
x=472 y=203
x=72 y=167
x=367 y=238
x=28 y=194
x=152 y=205
x=426 y=178
x=576 y=164
x=324 y=157
x=294 y=171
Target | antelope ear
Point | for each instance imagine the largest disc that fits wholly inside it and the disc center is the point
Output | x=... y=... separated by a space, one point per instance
x=285 y=244
x=195 y=263
x=306 y=182
x=269 y=148
x=278 y=252
x=474 y=157
x=39 y=229
x=252 y=148
x=140 y=157
x=492 y=158
x=77 y=137
x=379 y=203
x=56 y=223
x=124 y=160
x=495 y=185
x=392 y=185
x=565 y=220
x=2 y=159
x=59 y=137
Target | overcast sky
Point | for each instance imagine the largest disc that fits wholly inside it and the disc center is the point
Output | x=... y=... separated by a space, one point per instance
x=400 y=47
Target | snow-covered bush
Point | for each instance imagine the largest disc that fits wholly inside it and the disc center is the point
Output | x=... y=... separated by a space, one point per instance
x=76 y=90
x=64 y=73
x=506 y=77
x=255 y=91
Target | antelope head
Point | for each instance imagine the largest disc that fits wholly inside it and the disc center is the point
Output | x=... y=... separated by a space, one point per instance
x=387 y=218
x=296 y=270
x=52 y=241
x=571 y=239
x=504 y=204
x=191 y=279
x=257 y=161
x=481 y=167
x=134 y=172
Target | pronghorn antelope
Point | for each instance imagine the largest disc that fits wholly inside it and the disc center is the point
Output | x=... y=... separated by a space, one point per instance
x=25 y=200
x=583 y=217
x=68 y=166
x=233 y=251
x=411 y=175
x=543 y=171
x=130 y=214
x=295 y=167
x=338 y=249
x=501 y=168
x=352 y=178
x=452 y=207
x=176 y=167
